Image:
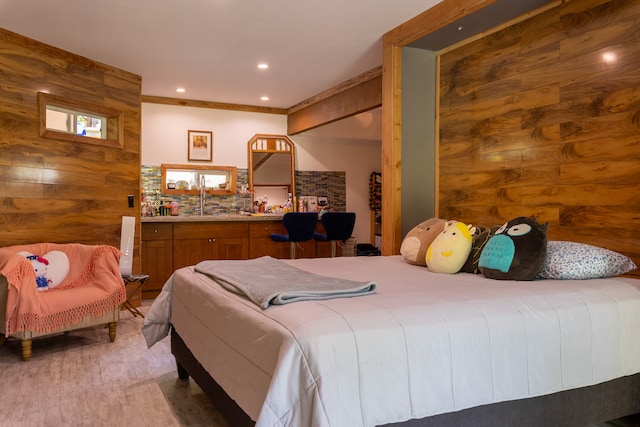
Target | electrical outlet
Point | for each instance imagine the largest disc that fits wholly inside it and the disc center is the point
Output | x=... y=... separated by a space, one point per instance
x=130 y=200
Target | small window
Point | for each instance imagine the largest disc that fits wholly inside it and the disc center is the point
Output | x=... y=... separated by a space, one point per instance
x=81 y=122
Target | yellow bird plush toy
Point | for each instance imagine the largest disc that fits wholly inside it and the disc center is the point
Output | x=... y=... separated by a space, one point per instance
x=450 y=249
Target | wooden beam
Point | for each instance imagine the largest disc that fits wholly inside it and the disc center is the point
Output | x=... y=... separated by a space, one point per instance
x=431 y=20
x=209 y=104
x=391 y=149
x=357 y=95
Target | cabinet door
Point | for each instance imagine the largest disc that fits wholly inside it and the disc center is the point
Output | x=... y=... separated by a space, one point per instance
x=306 y=249
x=323 y=249
x=234 y=248
x=260 y=243
x=157 y=257
x=195 y=242
x=190 y=251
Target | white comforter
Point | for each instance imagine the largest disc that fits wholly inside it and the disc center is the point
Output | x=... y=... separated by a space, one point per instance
x=425 y=344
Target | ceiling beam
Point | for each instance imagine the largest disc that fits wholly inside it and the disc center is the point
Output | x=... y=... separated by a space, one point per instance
x=357 y=95
x=210 y=104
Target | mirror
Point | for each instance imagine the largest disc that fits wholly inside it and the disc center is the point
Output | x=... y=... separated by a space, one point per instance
x=188 y=179
x=272 y=168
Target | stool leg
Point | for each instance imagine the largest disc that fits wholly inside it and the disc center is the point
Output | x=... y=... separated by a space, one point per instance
x=333 y=249
x=293 y=250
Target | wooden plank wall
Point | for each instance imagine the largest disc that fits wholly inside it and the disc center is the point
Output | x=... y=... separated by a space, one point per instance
x=533 y=121
x=61 y=191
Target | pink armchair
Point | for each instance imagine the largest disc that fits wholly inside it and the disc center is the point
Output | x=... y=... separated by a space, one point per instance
x=90 y=294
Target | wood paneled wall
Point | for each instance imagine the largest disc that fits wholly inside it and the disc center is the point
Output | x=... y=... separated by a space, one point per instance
x=533 y=121
x=61 y=191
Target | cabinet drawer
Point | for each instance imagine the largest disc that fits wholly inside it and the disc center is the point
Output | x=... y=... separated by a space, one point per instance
x=204 y=230
x=265 y=228
x=157 y=231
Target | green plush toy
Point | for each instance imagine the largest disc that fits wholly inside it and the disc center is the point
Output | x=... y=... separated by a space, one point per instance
x=416 y=242
x=516 y=251
x=450 y=249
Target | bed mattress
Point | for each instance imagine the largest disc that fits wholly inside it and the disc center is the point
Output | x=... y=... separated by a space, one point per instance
x=424 y=344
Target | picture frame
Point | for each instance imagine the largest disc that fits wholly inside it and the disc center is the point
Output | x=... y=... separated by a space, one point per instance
x=200 y=145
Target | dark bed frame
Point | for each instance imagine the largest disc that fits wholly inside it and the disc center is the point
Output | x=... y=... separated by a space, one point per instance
x=577 y=407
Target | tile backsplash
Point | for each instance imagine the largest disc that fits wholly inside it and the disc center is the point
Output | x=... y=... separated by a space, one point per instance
x=313 y=183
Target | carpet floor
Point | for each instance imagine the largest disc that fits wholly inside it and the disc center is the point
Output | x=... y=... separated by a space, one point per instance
x=82 y=379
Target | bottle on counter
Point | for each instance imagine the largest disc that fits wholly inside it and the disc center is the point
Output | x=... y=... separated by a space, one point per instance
x=174 y=208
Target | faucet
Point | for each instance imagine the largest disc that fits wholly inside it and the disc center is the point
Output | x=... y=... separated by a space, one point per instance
x=203 y=193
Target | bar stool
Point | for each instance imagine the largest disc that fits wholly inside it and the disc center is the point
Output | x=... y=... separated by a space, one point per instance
x=300 y=227
x=338 y=225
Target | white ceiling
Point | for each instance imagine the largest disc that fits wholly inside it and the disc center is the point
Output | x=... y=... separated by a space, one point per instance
x=212 y=47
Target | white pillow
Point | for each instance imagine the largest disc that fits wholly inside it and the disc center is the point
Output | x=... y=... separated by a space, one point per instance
x=573 y=260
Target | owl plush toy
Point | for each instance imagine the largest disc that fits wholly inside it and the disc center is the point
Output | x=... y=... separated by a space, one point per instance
x=516 y=251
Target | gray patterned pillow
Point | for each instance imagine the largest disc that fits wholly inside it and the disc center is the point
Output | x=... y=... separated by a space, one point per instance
x=572 y=260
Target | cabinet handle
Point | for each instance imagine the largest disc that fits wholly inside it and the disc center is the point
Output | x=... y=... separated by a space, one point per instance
x=266 y=229
x=212 y=240
x=155 y=230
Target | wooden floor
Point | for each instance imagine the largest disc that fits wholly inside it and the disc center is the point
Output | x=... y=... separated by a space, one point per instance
x=82 y=379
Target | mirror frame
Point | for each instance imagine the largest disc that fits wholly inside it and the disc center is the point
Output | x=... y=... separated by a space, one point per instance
x=262 y=143
x=231 y=170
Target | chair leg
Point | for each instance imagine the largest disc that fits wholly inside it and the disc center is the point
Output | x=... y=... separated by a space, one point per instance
x=26 y=349
x=112 y=331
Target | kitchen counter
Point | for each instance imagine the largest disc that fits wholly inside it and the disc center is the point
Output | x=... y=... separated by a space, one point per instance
x=212 y=218
x=172 y=242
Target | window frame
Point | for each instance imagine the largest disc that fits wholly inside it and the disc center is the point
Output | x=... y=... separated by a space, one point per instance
x=113 y=121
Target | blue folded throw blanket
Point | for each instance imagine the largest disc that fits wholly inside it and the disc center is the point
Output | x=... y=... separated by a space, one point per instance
x=268 y=281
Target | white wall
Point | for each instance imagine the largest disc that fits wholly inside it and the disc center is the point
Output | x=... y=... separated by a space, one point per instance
x=357 y=158
x=165 y=127
x=164 y=140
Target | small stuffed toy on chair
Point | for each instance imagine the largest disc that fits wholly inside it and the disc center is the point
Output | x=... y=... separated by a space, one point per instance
x=51 y=268
x=39 y=265
x=449 y=251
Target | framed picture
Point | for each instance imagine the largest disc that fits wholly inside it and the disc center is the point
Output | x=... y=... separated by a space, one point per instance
x=200 y=145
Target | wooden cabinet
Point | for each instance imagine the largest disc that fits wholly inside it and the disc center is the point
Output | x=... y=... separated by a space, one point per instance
x=260 y=243
x=167 y=246
x=195 y=242
x=323 y=249
x=157 y=257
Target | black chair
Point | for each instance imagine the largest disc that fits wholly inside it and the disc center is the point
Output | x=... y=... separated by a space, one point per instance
x=300 y=227
x=338 y=225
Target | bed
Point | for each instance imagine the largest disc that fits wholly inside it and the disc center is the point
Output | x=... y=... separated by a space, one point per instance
x=425 y=349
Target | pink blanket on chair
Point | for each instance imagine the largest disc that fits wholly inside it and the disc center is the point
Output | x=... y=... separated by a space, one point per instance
x=93 y=286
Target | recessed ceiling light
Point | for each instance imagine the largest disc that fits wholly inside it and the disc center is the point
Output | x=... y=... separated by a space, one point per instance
x=181 y=90
x=263 y=66
x=264 y=98
x=609 y=57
